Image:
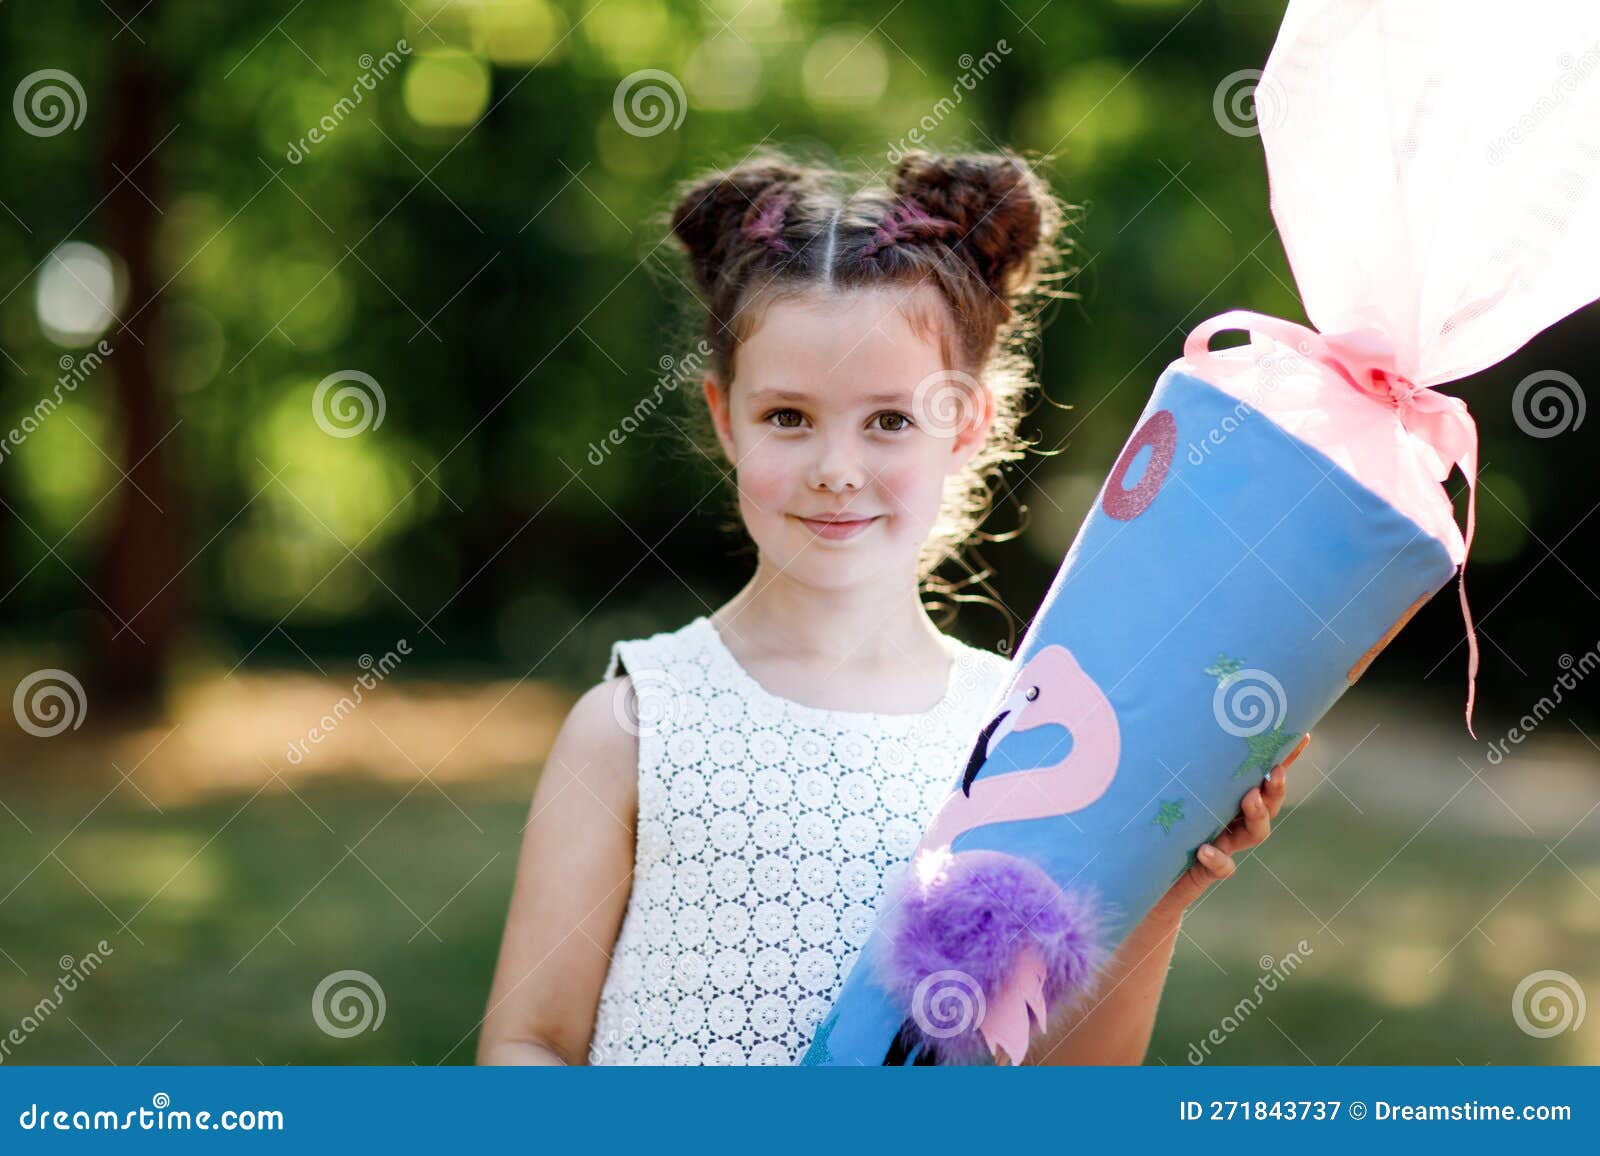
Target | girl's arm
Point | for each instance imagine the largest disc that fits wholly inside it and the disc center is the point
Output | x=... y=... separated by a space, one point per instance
x=1116 y=1028
x=573 y=880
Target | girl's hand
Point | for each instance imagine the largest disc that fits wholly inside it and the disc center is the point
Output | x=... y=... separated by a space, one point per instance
x=1248 y=829
x=1116 y=1029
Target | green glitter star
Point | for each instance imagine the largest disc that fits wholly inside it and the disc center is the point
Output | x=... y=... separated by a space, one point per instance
x=819 y=1053
x=1225 y=669
x=1170 y=812
x=1264 y=750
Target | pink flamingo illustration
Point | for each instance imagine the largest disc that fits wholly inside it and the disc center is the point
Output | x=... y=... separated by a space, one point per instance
x=981 y=941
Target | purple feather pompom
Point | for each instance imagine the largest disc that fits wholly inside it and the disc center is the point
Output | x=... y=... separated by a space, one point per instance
x=959 y=929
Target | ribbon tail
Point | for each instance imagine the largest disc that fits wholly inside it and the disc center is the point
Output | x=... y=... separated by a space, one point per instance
x=1469 y=465
x=1442 y=423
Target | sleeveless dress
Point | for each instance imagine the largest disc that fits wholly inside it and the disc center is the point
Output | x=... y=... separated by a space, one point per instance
x=767 y=832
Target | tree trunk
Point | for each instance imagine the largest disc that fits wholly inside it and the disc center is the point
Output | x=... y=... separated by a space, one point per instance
x=138 y=571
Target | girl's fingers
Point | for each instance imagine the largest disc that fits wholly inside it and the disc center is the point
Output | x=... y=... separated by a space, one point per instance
x=1276 y=788
x=1217 y=863
x=1276 y=784
x=1257 y=819
x=1251 y=826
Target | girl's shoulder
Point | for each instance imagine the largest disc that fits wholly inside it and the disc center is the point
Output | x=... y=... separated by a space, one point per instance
x=983 y=672
x=656 y=651
x=987 y=659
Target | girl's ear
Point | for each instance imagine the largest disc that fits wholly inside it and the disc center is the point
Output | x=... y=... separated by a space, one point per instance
x=717 y=402
x=974 y=435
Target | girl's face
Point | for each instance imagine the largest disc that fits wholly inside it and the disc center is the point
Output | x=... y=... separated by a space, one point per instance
x=843 y=423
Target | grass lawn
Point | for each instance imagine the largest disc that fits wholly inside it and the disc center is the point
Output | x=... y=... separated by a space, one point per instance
x=225 y=909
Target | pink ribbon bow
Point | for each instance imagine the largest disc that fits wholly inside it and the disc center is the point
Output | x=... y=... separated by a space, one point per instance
x=1366 y=359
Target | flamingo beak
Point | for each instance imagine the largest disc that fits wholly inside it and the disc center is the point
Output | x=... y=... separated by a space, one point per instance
x=991 y=737
x=1006 y=721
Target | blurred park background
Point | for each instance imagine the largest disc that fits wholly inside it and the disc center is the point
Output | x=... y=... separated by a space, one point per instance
x=331 y=305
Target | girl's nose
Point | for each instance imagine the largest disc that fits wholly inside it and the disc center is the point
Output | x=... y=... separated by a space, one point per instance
x=837 y=467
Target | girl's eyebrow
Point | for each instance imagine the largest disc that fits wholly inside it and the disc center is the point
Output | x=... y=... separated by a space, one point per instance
x=794 y=395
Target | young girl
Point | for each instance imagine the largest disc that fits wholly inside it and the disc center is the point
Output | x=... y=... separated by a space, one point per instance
x=712 y=831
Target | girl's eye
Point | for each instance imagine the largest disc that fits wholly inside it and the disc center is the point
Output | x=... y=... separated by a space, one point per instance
x=903 y=422
x=786 y=413
x=1032 y=693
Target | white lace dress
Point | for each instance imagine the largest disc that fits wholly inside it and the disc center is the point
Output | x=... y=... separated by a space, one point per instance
x=767 y=830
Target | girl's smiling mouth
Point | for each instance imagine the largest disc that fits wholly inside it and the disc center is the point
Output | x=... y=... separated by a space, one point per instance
x=837 y=528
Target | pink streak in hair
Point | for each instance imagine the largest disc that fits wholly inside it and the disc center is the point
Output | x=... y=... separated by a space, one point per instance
x=895 y=225
x=764 y=226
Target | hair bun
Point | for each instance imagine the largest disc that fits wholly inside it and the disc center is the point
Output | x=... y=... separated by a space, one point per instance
x=713 y=208
x=1006 y=215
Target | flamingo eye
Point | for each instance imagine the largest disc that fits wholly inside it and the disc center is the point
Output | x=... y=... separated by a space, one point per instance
x=1033 y=693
